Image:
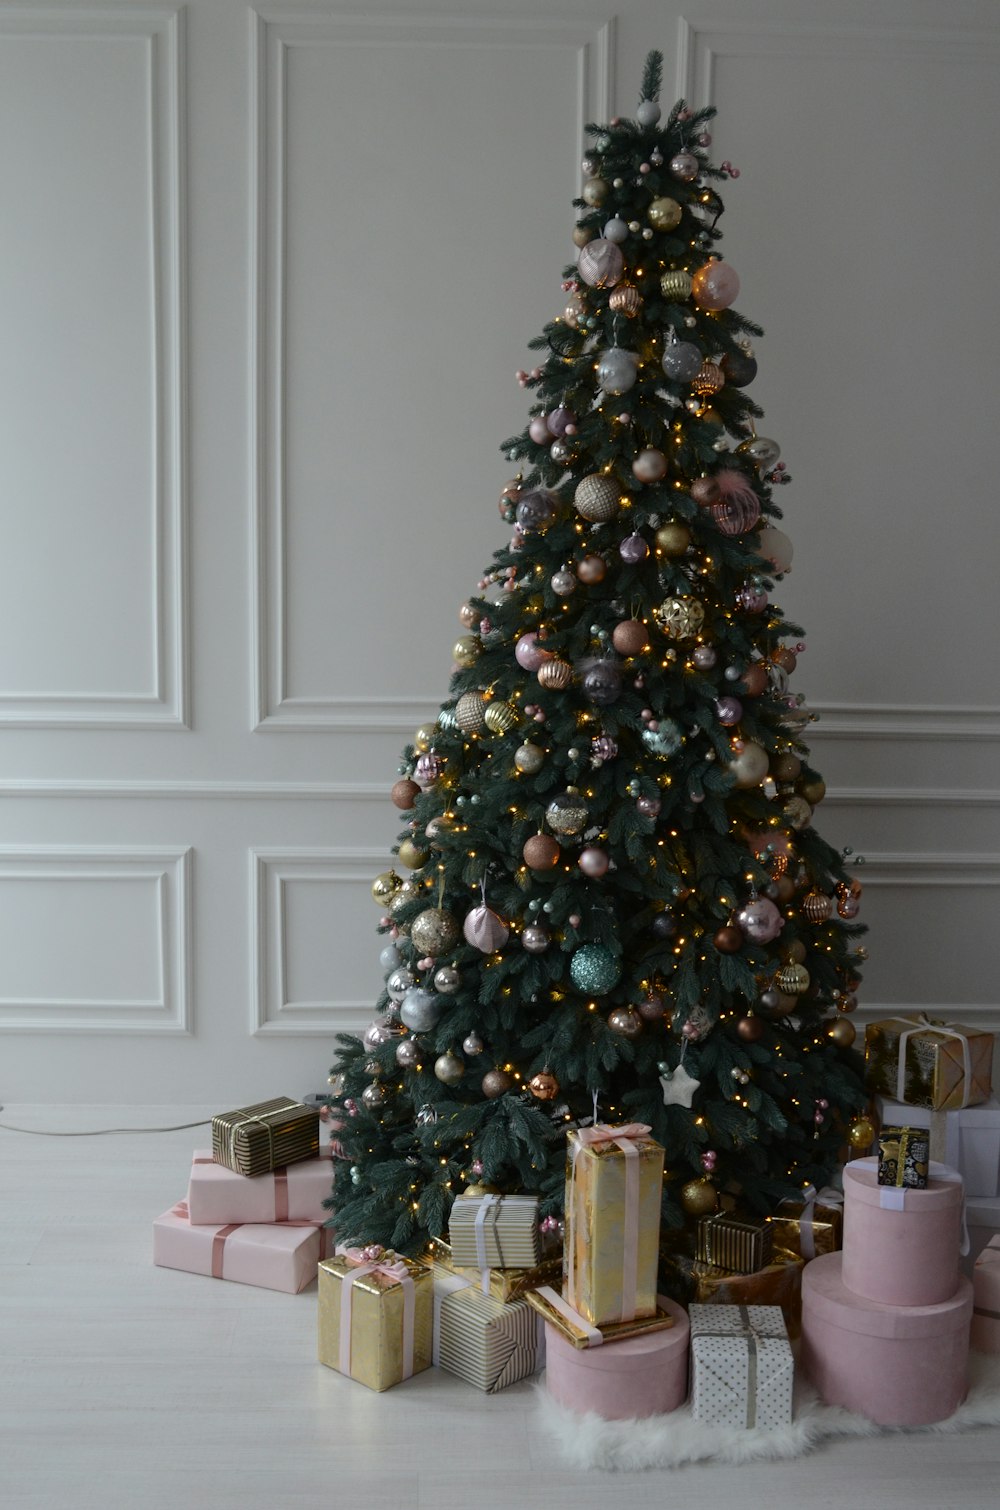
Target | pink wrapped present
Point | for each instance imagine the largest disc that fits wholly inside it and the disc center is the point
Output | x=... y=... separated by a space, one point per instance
x=898 y=1365
x=275 y=1257
x=642 y=1375
x=901 y=1246
x=985 y=1335
x=294 y=1193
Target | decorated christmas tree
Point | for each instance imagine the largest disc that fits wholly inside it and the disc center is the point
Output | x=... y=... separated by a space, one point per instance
x=616 y=901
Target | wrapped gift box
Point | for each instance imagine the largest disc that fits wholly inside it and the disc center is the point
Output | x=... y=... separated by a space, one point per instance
x=810 y=1226
x=614 y=1178
x=376 y=1316
x=294 y=1193
x=968 y=1139
x=742 y=1247
x=901 y=1247
x=985 y=1334
x=779 y=1284
x=903 y=1157
x=282 y=1257
x=503 y=1284
x=557 y=1312
x=898 y=1365
x=983 y=1223
x=741 y=1366
x=255 y=1139
x=495 y=1232
x=941 y=1065
x=489 y=1343
x=641 y=1375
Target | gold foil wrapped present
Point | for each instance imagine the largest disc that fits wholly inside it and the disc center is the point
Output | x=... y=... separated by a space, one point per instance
x=577 y=1330
x=779 y=1284
x=614 y=1178
x=256 y=1139
x=376 y=1316
x=504 y=1284
x=809 y=1227
x=926 y=1063
x=728 y=1243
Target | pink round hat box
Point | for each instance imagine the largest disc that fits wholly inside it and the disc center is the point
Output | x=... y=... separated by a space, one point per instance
x=639 y=1376
x=905 y=1257
x=897 y=1365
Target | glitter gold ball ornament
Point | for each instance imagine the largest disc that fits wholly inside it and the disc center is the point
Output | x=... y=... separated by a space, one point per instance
x=842 y=1032
x=411 y=855
x=496 y=1083
x=470 y=713
x=408 y=891
x=595 y=191
x=792 y=980
x=541 y=852
x=625 y=300
x=676 y=285
x=500 y=717
x=449 y=1068
x=600 y=263
x=679 y=618
x=861 y=1133
x=673 y=539
x=591 y=569
x=748 y=765
x=434 y=932
x=465 y=651
x=708 y=379
x=567 y=814
x=544 y=1086
x=630 y=637
x=555 y=674
x=529 y=758
x=699 y=1197
x=385 y=886
x=404 y=794
x=817 y=907
x=625 y=1021
x=664 y=213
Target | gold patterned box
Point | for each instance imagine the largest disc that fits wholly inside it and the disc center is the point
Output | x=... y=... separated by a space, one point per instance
x=741 y=1246
x=779 y=1284
x=944 y=1066
x=903 y=1157
x=808 y=1227
x=376 y=1317
x=256 y=1139
x=614 y=1178
x=504 y=1284
x=577 y=1330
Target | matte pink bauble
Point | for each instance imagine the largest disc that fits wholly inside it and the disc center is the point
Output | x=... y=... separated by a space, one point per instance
x=715 y=285
x=760 y=920
x=539 y=430
x=650 y=466
x=593 y=862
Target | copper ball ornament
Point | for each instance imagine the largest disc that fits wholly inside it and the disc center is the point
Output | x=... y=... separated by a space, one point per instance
x=708 y=379
x=591 y=569
x=715 y=285
x=496 y=1083
x=541 y=852
x=556 y=675
x=626 y=1022
x=625 y=300
x=842 y=1032
x=404 y=794
x=470 y=713
x=651 y=1008
x=544 y=1086
x=434 y=932
x=630 y=637
x=673 y=539
x=728 y=940
x=699 y=1197
x=754 y=679
x=750 y=1029
x=817 y=907
x=705 y=491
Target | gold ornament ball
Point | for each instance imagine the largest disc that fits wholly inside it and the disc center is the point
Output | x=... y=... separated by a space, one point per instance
x=496 y=1083
x=679 y=618
x=595 y=191
x=625 y=1021
x=411 y=855
x=434 y=932
x=676 y=285
x=813 y=791
x=792 y=980
x=797 y=813
x=783 y=767
x=500 y=717
x=465 y=651
x=544 y=1086
x=479 y=1189
x=861 y=1133
x=555 y=674
x=404 y=794
x=385 y=886
x=699 y=1197
x=842 y=1032
x=408 y=892
x=673 y=539
x=470 y=713
x=625 y=300
x=796 y=952
x=581 y=235
x=468 y=616
x=664 y=214
x=424 y=737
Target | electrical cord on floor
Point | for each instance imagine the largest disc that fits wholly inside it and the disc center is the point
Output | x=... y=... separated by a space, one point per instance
x=99 y=1132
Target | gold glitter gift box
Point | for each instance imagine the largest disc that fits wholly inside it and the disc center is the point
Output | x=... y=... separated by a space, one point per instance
x=778 y=1284
x=614 y=1178
x=256 y=1139
x=376 y=1316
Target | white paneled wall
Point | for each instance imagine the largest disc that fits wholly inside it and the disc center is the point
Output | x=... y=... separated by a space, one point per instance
x=266 y=276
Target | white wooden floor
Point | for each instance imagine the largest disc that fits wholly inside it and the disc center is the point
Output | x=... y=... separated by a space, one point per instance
x=127 y=1387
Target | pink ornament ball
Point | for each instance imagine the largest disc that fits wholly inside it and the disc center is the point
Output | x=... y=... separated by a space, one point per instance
x=561 y=422
x=528 y=652
x=650 y=465
x=539 y=430
x=601 y=263
x=574 y=920
x=593 y=862
x=728 y=710
x=715 y=285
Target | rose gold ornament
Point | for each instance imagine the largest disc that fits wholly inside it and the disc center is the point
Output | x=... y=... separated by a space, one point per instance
x=630 y=637
x=541 y=852
x=404 y=794
x=650 y=465
x=705 y=491
x=625 y=300
x=496 y=1083
x=817 y=907
x=555 y=674
x=468 y=616
x=708 y=379
x=750 y=1029
x=544 y=1086
x=625 y=1021
x=728 y=940
x=754 y=679
x=591 y=569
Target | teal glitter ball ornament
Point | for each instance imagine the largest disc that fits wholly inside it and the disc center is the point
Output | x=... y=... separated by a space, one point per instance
x=594 y=969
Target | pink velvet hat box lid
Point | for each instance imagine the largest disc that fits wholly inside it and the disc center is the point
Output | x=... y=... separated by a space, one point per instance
x=901 y=1257
x=898 y=1365
x=639 y=1376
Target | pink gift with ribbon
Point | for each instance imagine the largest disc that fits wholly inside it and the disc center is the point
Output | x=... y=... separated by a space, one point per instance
x=614 y=1180
x=274 y=1257
x=294 y=1192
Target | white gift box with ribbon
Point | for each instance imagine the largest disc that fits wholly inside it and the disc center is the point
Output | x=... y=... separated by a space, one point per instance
x=742 y=1368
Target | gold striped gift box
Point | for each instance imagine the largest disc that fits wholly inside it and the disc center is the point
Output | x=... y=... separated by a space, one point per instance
x=256 y=1139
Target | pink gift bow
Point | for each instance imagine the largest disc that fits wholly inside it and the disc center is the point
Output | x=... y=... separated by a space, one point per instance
x=399 y=1274
x=589 y=1137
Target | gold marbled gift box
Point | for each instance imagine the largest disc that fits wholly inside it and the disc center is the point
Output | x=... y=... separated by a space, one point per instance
x=934 y=1069
x=806 y=1229
x=376 y=1356
x=597 y=1242
x=778 y=1284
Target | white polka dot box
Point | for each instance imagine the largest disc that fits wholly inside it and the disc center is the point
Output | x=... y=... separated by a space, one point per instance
x=741 y=1366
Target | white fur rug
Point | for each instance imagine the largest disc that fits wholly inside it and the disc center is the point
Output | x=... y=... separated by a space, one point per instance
x=588 y=1441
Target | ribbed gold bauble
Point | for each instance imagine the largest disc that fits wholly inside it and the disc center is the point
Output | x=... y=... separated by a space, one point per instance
x=792 y=979
x=708 y=379
x=500 y=717
x=817 y=907
x=555 y=674
x=676 y=285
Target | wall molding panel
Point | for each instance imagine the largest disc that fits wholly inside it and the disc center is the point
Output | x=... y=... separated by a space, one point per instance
x=272 y=871
x=164 y=705
x=161 y=881
x=273 y=35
